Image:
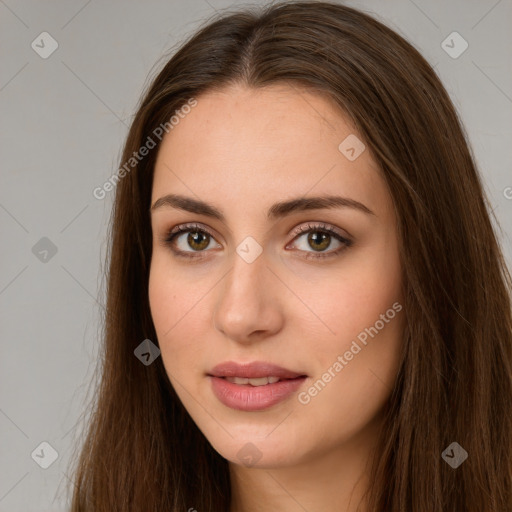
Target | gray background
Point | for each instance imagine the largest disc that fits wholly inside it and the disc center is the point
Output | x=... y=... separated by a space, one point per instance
x=63 y=122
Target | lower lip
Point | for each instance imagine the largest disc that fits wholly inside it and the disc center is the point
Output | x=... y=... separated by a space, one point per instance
x=253 y=398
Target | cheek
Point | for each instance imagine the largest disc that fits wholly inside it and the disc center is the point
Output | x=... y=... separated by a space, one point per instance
x=176 y=309
x=162 y=294
x=363 y=309
x=350 y=299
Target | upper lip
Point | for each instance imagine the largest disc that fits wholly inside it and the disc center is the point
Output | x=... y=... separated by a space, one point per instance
x=253 y=370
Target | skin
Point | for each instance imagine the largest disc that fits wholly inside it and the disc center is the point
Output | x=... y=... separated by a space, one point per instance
x=243 y=150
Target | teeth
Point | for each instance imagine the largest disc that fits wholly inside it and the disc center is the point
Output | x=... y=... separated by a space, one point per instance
x=262 y=381
x=238 y=380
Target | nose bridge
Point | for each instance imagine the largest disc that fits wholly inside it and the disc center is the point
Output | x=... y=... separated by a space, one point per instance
x=249 y=260
x=246 y=302
x=244 y=281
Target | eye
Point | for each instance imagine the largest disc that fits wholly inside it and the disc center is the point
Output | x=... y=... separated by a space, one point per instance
x=198 y=238
x=319 y=237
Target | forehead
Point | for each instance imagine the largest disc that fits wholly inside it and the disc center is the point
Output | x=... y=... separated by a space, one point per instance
x=254 y=147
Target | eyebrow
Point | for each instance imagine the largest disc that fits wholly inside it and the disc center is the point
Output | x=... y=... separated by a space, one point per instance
x=277 y=210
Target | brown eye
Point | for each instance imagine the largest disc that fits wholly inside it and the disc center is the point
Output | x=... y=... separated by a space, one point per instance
x=319 y=238
x=196 y=241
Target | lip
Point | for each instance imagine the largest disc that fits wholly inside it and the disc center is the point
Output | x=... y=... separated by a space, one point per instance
x=253 y=370
x=245 y=397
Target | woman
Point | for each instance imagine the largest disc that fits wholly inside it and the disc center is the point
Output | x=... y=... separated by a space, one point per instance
x=307 y=305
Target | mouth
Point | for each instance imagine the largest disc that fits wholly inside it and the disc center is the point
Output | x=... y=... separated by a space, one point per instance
x=259 y=381
x=255 y=386
x=254 y=371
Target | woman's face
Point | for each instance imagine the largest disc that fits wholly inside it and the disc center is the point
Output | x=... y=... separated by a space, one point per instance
x=260 y=280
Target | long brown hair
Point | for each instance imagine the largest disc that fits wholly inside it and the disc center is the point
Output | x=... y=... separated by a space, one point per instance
x=143 y=452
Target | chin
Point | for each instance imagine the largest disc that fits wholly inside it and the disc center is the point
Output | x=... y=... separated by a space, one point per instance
x=257 y=448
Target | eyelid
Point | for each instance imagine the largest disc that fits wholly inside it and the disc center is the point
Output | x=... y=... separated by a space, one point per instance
x=320 y=226
x=190 y=226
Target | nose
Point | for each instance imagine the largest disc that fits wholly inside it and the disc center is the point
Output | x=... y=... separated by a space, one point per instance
x=248 y=304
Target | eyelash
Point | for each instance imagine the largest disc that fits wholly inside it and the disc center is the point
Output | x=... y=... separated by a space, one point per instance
x=194 y=228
